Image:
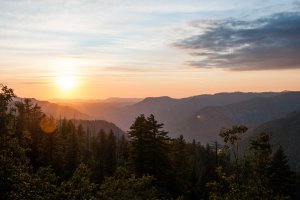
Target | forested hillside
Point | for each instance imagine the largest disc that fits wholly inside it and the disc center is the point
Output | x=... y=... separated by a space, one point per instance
x=46 y=158
x=205 y=123
x=286 y=132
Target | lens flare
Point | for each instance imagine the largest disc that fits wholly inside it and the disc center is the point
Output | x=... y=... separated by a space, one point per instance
x=48 y=124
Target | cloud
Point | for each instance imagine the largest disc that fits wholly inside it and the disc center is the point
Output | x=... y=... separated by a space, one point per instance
x=266 y=43
x=296 y=4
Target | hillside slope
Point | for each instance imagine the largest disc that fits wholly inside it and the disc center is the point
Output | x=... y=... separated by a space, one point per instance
x=56 y=110
x=286 y=132
x=174 y=112
x=205 y=124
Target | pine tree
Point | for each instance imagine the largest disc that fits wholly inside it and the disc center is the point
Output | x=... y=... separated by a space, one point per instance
x=82 y=144
x=110 y=154
x=149 y=151
x=46 y=149
x=181 y=165
x=28 y=128
x=14 y=169
x=282 y=178
x=258 y=163
x=98 y=149
x=149 y=147
x=6 y=116
x=137 y=154
x=157 y=148
x=123 y=151
x=72 y=150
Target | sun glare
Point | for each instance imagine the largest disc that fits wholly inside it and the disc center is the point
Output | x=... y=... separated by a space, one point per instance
x=67 y=82
x=66 y=78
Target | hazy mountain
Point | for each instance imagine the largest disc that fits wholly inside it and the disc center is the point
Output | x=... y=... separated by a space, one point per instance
x=286 y=132
x=125 y=116
x=200 y=117
x=205 y=124
x=94 y=126
x=58 y=111
x=175 y=113
x=122 y=100
x=179 y=114
x=108 y=100
x=100 y=109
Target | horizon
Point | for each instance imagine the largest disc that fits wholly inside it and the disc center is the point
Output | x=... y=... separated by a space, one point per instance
x=100 y=49
x=58 y=100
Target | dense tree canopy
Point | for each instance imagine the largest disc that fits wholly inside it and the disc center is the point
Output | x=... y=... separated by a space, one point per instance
x=46 y=158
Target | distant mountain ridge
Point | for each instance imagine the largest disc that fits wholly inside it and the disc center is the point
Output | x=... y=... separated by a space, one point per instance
x=95 y=126
x=108 y=100
x=56 y=110
x=198 y=117
x=176 y=113
x=209 y=120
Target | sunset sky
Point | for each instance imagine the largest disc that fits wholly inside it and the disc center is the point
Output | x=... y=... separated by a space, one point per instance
x=137 y=48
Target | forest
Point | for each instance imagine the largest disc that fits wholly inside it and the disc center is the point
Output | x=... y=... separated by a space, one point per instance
x=46 y=158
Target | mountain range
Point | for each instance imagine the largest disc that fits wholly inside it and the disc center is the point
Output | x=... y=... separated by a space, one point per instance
x=198 y=117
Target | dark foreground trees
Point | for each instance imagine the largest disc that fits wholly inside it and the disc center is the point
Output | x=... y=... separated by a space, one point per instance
x=124 y=185
x=44 y=158
x=258 y=174
x=149 y=149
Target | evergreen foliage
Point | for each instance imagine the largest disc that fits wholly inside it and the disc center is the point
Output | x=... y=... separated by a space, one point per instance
x=43 y=158
x=124 y=185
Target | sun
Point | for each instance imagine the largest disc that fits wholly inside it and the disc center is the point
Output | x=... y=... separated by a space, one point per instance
x=67 y=75
x=67 y=82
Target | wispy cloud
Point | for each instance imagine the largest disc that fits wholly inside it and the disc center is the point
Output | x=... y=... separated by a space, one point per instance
x=271 y=42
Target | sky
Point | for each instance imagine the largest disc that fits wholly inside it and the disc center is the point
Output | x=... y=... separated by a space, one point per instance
x=89 y=49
